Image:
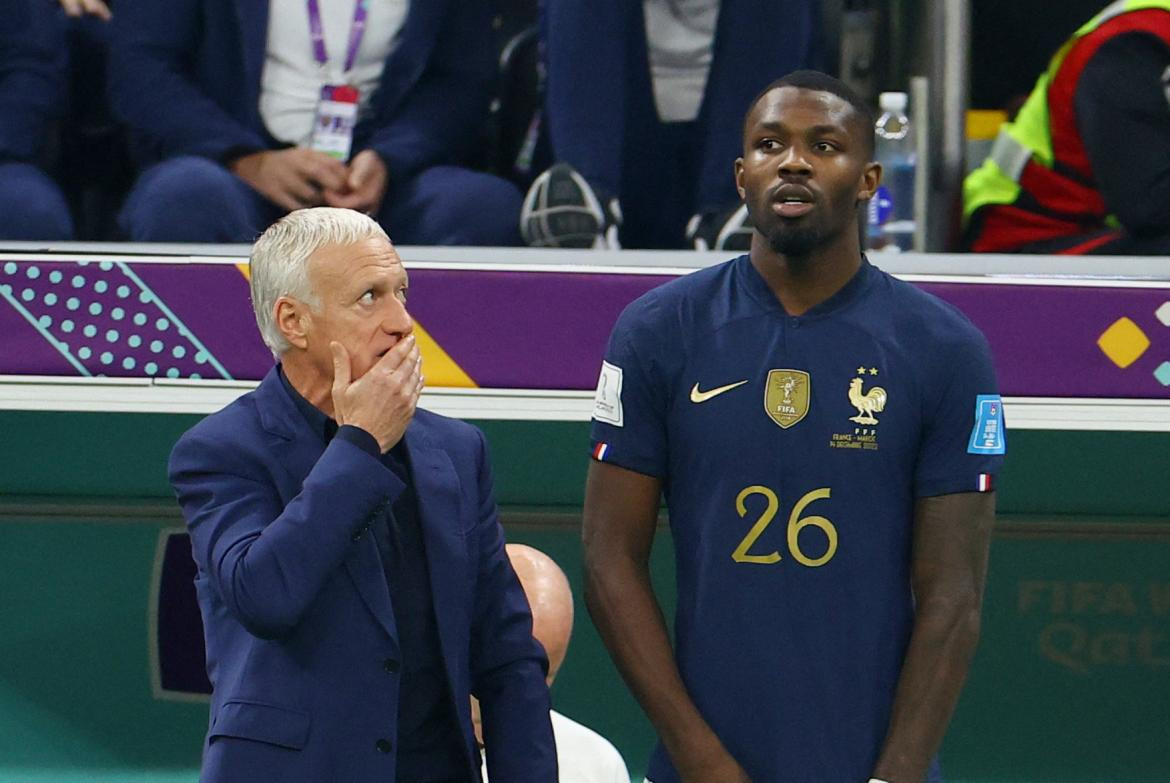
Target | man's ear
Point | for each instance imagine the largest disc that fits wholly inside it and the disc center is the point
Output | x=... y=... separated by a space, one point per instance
x=739 y=178
x=871 y=177
x=292 y=319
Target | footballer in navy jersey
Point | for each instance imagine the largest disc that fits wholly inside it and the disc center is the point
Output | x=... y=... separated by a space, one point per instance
x=826 y=440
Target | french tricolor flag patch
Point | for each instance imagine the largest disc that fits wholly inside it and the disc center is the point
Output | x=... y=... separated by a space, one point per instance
x=599 y=451
x=985 y=483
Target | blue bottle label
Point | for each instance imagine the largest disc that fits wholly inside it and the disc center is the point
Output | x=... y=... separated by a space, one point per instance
x=881 y=206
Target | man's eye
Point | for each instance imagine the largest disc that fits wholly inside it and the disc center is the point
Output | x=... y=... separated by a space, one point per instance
x=402 y=295
x=825 y=146
x=367 y=297
x=769 y=145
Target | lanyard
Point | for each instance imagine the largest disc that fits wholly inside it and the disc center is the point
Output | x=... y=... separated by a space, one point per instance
x=356 y=30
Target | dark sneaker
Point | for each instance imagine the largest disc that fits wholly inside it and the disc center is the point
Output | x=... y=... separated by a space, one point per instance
x=728 y=230
x=563 y=210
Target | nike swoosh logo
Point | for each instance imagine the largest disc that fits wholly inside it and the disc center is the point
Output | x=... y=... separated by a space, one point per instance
x=703 y=396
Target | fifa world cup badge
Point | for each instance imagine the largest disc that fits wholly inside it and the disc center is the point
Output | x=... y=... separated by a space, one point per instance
x=786 y=396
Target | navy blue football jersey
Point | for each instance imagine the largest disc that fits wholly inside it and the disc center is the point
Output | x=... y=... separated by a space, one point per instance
x=791 y=451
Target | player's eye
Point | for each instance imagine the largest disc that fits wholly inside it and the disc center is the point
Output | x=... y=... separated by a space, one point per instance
x=769 y=145
x=825 y=146
x=401 y=294
x=368 y=297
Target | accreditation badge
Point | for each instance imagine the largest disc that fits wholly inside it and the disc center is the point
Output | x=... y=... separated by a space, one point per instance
x=336 y=117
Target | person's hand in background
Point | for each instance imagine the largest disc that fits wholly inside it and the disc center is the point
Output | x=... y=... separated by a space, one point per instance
x=79 y=8
x=292 y=178
x=365 y=185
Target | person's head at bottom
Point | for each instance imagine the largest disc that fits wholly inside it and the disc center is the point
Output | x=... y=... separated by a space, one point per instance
x=807 y=168
x=329 y=293
x=551 y=599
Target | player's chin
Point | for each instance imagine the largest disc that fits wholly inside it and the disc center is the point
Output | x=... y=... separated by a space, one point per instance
x=792 y=240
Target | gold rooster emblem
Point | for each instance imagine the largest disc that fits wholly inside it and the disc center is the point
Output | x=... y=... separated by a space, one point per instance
x=867 y=404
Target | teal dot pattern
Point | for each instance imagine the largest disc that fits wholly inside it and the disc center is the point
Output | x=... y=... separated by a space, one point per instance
x=105 y=321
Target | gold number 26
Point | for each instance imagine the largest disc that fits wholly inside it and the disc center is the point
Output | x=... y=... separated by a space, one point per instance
x=796 y=523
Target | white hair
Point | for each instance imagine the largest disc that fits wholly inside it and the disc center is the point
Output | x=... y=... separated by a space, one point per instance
x=279 y=264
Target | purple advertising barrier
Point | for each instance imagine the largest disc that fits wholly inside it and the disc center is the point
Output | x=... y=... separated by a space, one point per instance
x=525 y=330
x=549 y=330
x=530 y=329
x=1045 y=338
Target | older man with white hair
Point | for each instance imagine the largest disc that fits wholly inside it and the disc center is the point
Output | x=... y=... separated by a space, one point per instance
x=351 y=568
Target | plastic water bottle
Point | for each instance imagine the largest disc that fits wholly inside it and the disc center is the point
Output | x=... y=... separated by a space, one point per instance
x=891 y=210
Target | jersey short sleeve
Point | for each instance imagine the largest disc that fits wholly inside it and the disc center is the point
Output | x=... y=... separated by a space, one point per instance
x=629 y=408
x=963 y=439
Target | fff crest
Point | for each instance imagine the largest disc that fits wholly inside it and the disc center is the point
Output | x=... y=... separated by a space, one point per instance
x=786 y=396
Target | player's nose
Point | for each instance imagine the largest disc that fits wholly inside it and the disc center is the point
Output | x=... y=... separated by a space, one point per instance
x=794 y=160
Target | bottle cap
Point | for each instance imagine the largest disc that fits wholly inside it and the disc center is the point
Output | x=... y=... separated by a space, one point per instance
x=893 y=101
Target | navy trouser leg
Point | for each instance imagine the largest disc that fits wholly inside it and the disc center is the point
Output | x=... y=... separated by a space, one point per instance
x=658 y=182
x=756 y=42
x=450 y=205
x=604 y=123
x=191 y=199
x=591 y=50
x=31 y=205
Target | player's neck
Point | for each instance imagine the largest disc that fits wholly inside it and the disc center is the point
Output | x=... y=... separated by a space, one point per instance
x=803 y=282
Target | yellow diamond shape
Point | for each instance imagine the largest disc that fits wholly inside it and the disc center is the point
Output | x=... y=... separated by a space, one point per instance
x=1123 y=342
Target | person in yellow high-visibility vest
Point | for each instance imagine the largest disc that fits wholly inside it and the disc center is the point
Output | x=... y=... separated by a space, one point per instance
x=1085 y=166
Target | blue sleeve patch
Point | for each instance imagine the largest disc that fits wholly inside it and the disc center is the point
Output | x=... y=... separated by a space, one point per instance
x=987 y=435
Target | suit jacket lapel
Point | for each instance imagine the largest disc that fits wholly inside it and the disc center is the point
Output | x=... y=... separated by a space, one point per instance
x=439 y=493
x=296 y=445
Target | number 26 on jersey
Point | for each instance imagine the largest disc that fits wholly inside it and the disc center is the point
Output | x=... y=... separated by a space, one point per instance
x=796 y=523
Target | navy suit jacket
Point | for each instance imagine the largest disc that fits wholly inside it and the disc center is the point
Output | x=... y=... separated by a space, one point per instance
x=185 y=77
x=32 y=76
x=300 y=632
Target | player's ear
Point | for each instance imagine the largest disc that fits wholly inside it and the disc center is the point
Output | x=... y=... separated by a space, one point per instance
x=871 y=177
x=739 y=178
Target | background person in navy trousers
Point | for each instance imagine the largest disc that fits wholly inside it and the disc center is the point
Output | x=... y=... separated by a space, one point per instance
x=351 y=575
x=645 y=103
x=222 y=96
x=32 y=95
